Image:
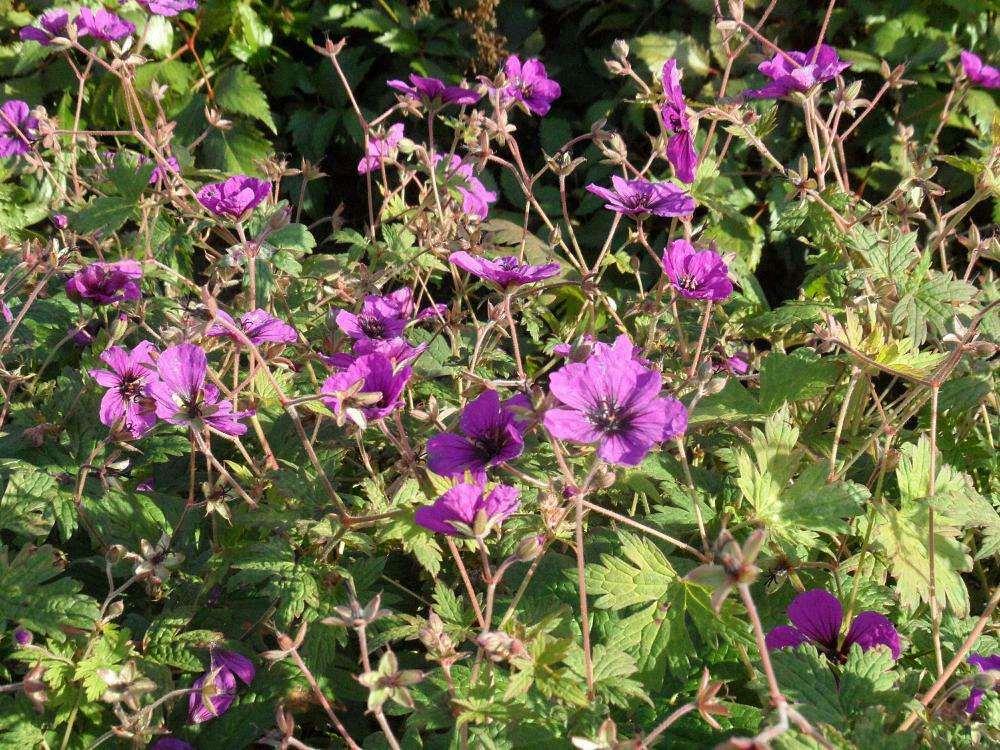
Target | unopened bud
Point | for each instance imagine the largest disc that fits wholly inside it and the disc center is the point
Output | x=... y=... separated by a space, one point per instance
x=619 y=48
x=530 y=547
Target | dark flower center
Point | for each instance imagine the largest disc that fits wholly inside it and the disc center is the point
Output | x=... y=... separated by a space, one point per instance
x=489 y=445
x=687 y=281
x=372 y=327
x=636 y=201
x=130 y=387
x=508 y=263
x=608 y=417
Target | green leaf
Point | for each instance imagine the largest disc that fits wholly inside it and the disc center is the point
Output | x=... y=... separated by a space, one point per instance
x=236 y=150
x=794 y=377
x=28 y=599
x=641 y=578
x=236 y=90
x=105 y=214
x=26 y=504
x=867 y=678
x=806 y=679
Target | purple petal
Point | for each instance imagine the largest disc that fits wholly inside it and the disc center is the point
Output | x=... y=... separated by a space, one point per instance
x=785 y=636
x=818 y=614
x=871 y=629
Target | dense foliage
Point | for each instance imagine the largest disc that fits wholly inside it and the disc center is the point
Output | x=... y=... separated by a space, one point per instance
x=499 y=374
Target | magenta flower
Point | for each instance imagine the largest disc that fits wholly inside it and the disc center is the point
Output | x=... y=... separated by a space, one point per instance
x=696 y=274
x=259 y=326
x=983 y=664
x=103 y=25
x=476 y=199
x=492 y=434
x=59 y=221
x=673 y=112
x=234 y=197
x=161 y=170
x=106 y=283
x=435 y=90
x=797 y=71
x=17 y=128
x=125 y=403
x=375 y=380
x=23 y=637
x=381 y=317
x=640 y=198
x=734 y=365
x=817 y=617
x=399 y=351
x=466 y=510
x=612 y=400
x=505 y=272
x=168 y=8
x=529 y=84
x=51 y=23
x=184 y=398
x=171 y=743
x=213 y=693
x=979 y=74
x=380 y=149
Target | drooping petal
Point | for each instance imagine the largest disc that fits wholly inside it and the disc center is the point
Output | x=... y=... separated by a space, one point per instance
x=871 y=629
x=785 y=636
x=451 y=455
x=818 y=614
x=236 y=663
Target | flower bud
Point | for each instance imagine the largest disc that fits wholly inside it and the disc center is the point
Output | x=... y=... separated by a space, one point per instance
x=23 y=637
x=530 y=547
x=620 y=49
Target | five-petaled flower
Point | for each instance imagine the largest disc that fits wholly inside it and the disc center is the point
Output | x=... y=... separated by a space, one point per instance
x=492 y=434
x=126 y=403
x=213 y=693
x=372 y=385
x=641 y=198
x=529 y=83
x=51 y=24
x=435 y=90
x=469 y=510
x=106 y=283
x=380 y=149
x=984 y=664
x=17 y=128
x=817 y=617
x=235 y=197
x=184 y=398
x=979 y=73
x=673 y=112
x=382 y=317
x=259 y=326
x=505 y=272
x=103 y=25
x=613 y=400
x=696 y=274
x=798 y=71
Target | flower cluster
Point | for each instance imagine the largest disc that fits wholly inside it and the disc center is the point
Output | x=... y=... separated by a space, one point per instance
x=145 y=385
x=378 y=368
